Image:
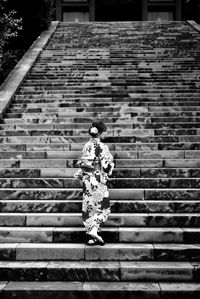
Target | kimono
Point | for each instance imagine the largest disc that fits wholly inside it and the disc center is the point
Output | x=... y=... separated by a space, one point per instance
x=95 y=163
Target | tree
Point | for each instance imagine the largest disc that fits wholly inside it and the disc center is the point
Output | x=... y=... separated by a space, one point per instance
x=36 y=16
x=10 y=25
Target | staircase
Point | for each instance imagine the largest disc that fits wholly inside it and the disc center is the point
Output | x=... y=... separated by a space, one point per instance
x=142 y=79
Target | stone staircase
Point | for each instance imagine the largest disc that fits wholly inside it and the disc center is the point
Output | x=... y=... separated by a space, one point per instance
x=143 y=80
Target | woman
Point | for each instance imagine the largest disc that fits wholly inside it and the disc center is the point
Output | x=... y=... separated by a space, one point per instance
x=95 y=164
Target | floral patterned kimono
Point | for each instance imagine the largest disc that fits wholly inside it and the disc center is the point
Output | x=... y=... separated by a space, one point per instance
x=96 y=163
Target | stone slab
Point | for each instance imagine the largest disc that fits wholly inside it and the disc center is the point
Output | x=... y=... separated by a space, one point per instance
x=148 y=235
x=180 y=290
x=12 y=219
x=177 y=252
x=156 y=271
x=83 y=271
x=26 y=235
x=43 y=290
x=58 y=219
x=8 y=251
x=122 y=290
x=45 y=252
x=119 y=252
x=20 y=271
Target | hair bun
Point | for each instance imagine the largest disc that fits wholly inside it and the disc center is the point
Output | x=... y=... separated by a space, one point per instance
x=94 y=130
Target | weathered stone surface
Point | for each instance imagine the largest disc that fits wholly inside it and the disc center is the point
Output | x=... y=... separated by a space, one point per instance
x=126 y=194
x=161 y=155
x=54 y=220
x=83 y=271
x=139 y=163
x=23 y=271
x=166 y=220
x=43 y=290
x=8 y=252
x=12 y=219
x=122 y=290
x=120 y=252
x=178 y=252
x=25 y=235
x=42 y=252
x=180 y=290
x=40 y=206
x=156 y=271
x=180 y=194
x=161 y=235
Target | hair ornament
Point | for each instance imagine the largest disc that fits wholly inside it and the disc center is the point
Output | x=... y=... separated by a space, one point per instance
x=94 y=130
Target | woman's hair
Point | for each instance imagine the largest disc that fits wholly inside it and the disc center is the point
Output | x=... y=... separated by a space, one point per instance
x=97 y=128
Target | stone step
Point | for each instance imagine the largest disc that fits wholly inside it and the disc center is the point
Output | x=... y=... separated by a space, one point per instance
x=115 y=194
x=35 y=81
x=30 y=147
x=110 y=139
x=117 y=206
x=188 y=220
x=105 y=90
x=119 y=163
x=106 y=84
x=115 y=183
x=139 y=121
x=113 y=126
x=111 y=132
x=129 y=75
x=117 y=173
x=134 y=100
x=109 y=252
x=104 y=102
x=67 y=154
x=111 y=97
x=147 y=109
x=123 y=64
x=75 y=290
x=62 y=124
x=113 y=235
x=98 y=271
x=155 y=111
x=119 y=112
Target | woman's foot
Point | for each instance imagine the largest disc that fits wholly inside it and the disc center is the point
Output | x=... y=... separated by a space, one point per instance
x=93 y=233
x=93 y=242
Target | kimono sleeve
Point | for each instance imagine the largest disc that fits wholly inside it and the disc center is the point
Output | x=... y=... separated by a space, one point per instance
x=107 y=160
x=86 y=159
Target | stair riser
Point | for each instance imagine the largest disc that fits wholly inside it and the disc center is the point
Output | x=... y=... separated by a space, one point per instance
x=113 y=183
x=116 y=207
x=115 y=220
x=118 y=173
x=113 y=235
x=115 y=132
x=117 y=146
x=95 y=274
x=115 y=194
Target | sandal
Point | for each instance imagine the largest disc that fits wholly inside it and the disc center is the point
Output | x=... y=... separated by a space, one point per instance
x=93 y=242
x=93 y=234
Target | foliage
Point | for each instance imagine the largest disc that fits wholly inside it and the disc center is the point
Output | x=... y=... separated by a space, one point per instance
x=9 y=24
x=21 y=21
x=9 y=60
x=36 y=16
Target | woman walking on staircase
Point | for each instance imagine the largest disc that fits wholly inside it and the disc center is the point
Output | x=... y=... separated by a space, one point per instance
x=95 y=163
